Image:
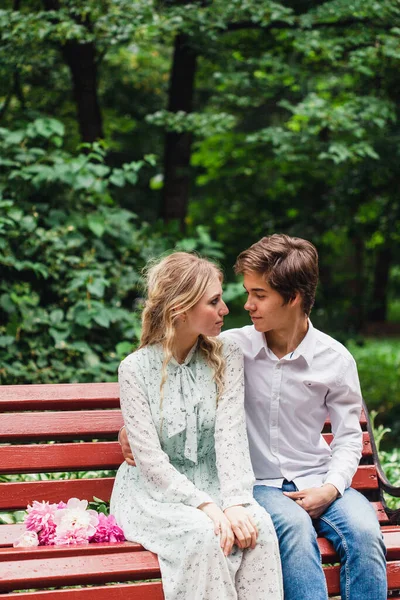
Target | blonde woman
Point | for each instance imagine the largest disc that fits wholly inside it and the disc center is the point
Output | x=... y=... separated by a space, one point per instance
x=189 y=497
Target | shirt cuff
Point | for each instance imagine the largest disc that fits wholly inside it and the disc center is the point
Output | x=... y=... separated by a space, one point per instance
x=336 y=480
x=243 y=500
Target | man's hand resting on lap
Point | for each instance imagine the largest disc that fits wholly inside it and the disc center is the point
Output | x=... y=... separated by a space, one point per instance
x=125 y=447
x=315 y=500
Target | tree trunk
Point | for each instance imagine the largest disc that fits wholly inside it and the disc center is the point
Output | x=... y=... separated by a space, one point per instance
x=357 y=284
x=383 y=263
x=81 y=60
x=177 y=149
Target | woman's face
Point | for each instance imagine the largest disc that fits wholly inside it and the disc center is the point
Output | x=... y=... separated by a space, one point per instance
x=207 y=316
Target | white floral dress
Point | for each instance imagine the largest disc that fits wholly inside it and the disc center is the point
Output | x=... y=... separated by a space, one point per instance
x=187 y=452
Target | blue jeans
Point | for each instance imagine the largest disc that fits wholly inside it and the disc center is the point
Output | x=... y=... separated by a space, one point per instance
x=352 y=527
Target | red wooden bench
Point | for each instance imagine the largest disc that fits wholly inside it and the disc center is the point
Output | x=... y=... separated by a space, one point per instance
x=67 y=413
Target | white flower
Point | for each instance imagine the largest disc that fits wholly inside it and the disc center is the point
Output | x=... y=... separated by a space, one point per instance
x=27 y=540
x=76 y=517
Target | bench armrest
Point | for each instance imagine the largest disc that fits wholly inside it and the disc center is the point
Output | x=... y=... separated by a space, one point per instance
x=384 y=483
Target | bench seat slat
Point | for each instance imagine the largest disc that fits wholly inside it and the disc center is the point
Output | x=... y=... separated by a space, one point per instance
x=151 y=590
x=390 y=533
x=332 y=575
x=74 y=425
x=59 y=396
x=45 y=458
x=9 y=554
x=77 y=570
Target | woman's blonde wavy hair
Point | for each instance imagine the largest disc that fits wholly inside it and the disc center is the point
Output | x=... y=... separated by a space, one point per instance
x=174 y=285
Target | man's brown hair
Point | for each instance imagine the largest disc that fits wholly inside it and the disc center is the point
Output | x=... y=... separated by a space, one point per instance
x=289 y=265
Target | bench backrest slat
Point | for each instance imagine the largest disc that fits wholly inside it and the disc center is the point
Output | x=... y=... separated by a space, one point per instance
x=16 y=496
x=59 y=396
x=49 y=458
x=75 y=425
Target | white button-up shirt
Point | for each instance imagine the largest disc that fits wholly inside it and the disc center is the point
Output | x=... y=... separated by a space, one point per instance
x=287 y=401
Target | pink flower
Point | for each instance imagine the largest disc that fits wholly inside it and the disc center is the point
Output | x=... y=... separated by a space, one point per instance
x=47 y=534
x=70 y=536
x=40 y=514
x=107 y=530
x=116 y=533
x=75 y=520
x=27 y=540
x=67 y=524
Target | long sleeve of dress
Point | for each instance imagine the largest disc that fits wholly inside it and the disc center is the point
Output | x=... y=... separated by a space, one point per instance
x=162 y=481
x=231 y=445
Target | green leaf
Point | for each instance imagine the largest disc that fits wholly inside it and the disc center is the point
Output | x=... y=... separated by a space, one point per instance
x=101 y=317
x=96 y=224
x=6 y=340
x=118 y=177
x=97 y=287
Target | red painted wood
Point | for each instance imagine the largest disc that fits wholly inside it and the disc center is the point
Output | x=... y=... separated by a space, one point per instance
x=367 y=448
x=332 y=575
x=365 y=478
x=77 y=570
x=68 y=425
x=59 y=396
x=43 y=552
x=363 y=420
x=14 y=496
x=45 y=458
x=393 y=573
x=144 y=591
x=391 y=536
x=9 y=533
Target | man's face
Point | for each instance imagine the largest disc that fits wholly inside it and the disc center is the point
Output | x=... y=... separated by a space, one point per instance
x=265 y=305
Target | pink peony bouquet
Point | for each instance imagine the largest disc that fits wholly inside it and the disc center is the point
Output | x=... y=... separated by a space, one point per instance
x=67 y=524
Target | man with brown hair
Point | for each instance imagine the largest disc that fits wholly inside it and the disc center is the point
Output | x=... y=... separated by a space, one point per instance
x=295 y=377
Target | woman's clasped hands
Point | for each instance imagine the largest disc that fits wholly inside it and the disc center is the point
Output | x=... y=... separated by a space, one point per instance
x=234 y=525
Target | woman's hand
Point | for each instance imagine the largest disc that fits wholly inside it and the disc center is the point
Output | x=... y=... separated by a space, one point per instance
x=243 y=526
x=222 y=525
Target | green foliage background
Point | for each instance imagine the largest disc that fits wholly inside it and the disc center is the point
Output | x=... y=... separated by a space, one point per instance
x=294 y=128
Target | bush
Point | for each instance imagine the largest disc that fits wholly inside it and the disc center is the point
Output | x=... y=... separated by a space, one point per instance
x=378 y=363
x=71 y=259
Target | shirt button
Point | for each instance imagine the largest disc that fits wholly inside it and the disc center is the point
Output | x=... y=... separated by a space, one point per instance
x=278 y=366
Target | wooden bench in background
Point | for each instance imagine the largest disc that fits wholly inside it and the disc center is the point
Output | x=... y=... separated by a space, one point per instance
x=67 y=413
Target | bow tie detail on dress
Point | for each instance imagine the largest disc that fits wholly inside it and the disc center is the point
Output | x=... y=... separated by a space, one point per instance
x=181 y=383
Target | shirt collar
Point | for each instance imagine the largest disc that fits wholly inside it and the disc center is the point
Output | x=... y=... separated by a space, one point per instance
x=307 y=346
x=304 y=349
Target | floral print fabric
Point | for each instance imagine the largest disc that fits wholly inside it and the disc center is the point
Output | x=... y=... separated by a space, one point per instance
x=189 y=449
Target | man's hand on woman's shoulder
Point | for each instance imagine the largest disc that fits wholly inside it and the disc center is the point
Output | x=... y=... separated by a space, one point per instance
x=125 y=447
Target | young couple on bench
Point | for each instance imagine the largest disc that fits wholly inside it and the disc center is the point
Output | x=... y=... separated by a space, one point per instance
x=234 y=514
